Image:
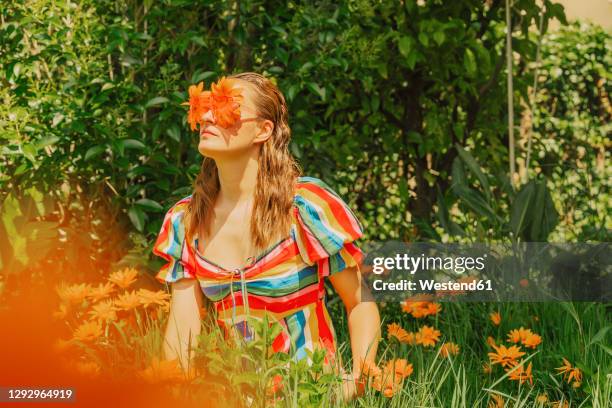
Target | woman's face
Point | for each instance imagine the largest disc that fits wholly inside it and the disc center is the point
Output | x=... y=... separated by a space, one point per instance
x=245 y=134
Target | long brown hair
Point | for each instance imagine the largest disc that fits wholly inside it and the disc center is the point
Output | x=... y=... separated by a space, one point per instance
x=276 y=177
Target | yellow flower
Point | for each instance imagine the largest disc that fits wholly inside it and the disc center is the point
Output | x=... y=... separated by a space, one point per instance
x=427 y=336
x=103 y=290
x=394 y=330
x=128 y=301
x=542 y=399
x=124 y=278
x=73 y=293
x=104 y=311
x=148 y=297
x=505 y=356
x=495 y=318
x=88 y=331
x=446 y=349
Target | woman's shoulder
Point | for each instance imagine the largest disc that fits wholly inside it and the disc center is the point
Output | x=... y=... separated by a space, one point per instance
x=324 y=221
x=315 y=188
x=179 y=207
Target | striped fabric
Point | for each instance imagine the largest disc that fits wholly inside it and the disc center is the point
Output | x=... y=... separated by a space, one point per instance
x=286 y=281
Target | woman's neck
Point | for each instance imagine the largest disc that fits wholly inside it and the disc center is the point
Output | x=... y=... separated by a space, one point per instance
x=238 y=177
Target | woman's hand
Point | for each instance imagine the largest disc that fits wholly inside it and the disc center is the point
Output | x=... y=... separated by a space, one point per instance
x=362 y=313
x=184 y=321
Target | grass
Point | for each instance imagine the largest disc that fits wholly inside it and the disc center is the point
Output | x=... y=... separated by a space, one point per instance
x=244 y=374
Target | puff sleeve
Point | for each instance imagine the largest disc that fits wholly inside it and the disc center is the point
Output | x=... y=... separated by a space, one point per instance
x=171 y=246
x=325 y=228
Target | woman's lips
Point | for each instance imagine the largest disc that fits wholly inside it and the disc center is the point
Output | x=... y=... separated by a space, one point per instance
x=207 y=133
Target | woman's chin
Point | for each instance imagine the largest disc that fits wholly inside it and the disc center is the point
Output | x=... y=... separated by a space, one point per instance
x=212 y=148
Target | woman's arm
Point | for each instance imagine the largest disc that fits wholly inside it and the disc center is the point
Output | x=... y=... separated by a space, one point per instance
x=363 y=316
x=184 y=323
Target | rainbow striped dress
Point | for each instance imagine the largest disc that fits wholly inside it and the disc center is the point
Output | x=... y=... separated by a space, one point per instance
x=286 y=281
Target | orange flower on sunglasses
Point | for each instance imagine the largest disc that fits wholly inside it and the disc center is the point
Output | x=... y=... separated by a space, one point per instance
x=224 y=99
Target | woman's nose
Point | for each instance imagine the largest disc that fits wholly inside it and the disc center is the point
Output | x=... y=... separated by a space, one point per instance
x=208 y=116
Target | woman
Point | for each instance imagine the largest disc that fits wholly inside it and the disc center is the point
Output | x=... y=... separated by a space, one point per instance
x=300 y=232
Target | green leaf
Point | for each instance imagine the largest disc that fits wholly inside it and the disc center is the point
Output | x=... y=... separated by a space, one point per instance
x=133 y=144
x=439 y=37
x=469 y=62
x=94 y=151
x=150 y=205
x=137 y=217
x=600 y=336
x=423 y=39
x=474 y=168
x=47 y=141
x=316 y=88
x=405 y=44
x=458 y=174
x=521 y=208
x=158 y=100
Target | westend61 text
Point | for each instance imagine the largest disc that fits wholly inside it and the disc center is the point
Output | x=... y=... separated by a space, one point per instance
x=430 y=284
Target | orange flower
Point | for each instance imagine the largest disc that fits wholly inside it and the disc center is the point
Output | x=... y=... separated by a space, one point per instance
x=128 y=301
x=518 y=335
x=394 y=330
x=525 y=336
x=124 y=278
x=491 y=341
x=486 y=368
x=398 y=369
x=495 y=318
x=61 y=313
x=427 y=336
x=88 y=331
x=532 y=340
x=199 y=103
x=275 y=385
x=496 y=401
x=104 y=311
x=148 y=297
x=446 y=349
x=521 y=374
x=368 y=369
x=570 y=373
x=386 y=385
x=506 y=356
x=226 y=100
x=101 y=291
x=73 y=293
x=419 y=309
x=163 y=372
